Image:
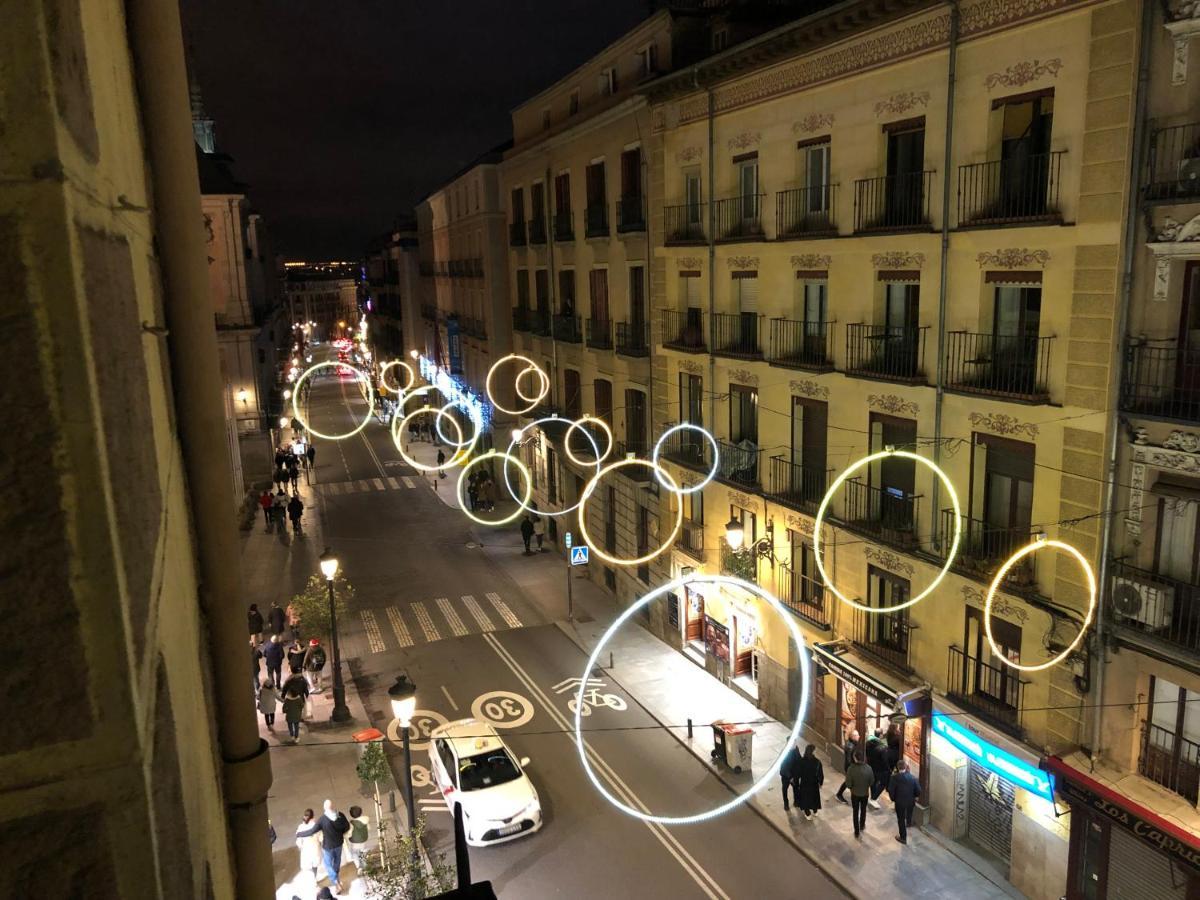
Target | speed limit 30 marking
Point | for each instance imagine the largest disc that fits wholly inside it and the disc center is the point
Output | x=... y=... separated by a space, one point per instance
x=423 y=722
x=502 y=709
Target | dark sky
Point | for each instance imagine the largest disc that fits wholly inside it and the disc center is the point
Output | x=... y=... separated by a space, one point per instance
x=340 y=114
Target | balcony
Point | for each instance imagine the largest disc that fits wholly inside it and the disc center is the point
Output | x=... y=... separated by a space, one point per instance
x=801 y=345
x=888 y=513
x=599 y=334
x=983 y=547
x=1173 y=169
x=994 y=693
x=892 y=202
x=1009 y=191
x=568 y=329
x=1154 y=608
x=884 y=637
x=522 y=319
x=737 y=335
x=564 y=226
x=1170 y=760
x=691 y=540
x=631 y=215
x=684 y=224
x=684 y=329
x=739 y=464
x=883 y=351
x=688 y=448
x=999 y=365
x=739 y=218
x=798 y=486
x=1162 y=381
x=595 y=220
x=633 y=338
x=516 y=234
x=740 y=564
x=537 y=230
x=803 y=595
x=539 y=320
x=638 y=449
x=806 y=212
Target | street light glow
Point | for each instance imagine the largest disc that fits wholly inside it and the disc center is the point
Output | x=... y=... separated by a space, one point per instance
x=735 y=534
x=329 y=564
x=403 y=696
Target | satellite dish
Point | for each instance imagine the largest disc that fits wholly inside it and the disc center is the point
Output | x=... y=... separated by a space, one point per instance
x=1127 y=600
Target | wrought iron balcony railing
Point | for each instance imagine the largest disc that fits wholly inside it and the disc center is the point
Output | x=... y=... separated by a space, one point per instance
x=995 y=693
x=882 y=351
x=801 y=345
x=1155 y=608
x=684 y=329
x=537 y=230
x=595 y=220
x=1173 y=169
x=804 y=212
x=984 y=546
x=739 y=218
x=540 y=321
x=739 y=563
x=685 y=224
x=803 y=595
x=568 y=328
x=689 y=448
x=516 y=234
x=633 y=338
x=564 y=226
x=887 y=512
x=599 y=334
x=999 y=364
x=1162 y=381
x=1171 y=760
x=522 y=319
x=800 y=487
x=1021 y=189
x=691 y=540
x=892 y=202
x=631 y=215
x=737 y=335
x=884 y=636
x=739 y=464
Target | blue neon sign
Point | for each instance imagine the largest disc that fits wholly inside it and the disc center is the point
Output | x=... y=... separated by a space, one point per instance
x=993 y=758
x=455 y=392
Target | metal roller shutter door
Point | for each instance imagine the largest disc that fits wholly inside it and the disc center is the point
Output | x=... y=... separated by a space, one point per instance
x=990 y=812
x=1136 y=872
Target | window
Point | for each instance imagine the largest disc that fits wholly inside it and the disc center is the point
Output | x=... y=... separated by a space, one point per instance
x=693 y=507
x=573 y=102
x=648 y=61
x=904 y=200
x=537 y=202
x=572 y=394
x=541 y=285
x=551 y=475
x=814 y=174
x=598 y=289
x=1175 y=554
x=887 y=631
x=811 y=303
x=602 y=400
x=806 y=591
x=546 y=119
x=566 y=291
x=1171 y=741
x=595 y=185
x=635 y=422
x=643 y=542
x=691 y=404
x=743 y=414
x=809 y=443
x=748 y=186
x=485 y=770
x=720 y=39
x=692 y=197
x=608 y=81
x=890 y=502
x=637 y=296
x=1024 y=174
x=1001 y=502
x=631 y=173
x=522 y=289
x=610 y=525
x=689 y=291
x=745 y=292
x=518 y=205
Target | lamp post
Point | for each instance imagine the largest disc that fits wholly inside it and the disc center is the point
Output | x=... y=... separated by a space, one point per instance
x=341 y=713
x=403 y=695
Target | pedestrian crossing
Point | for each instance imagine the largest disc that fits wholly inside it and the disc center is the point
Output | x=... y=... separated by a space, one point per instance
x=363 y=485
x=423 y=621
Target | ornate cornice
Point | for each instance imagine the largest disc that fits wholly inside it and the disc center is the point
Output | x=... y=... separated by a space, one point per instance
x=690 y=262
x=745 y=140
x=888 y=560
x=897 y=104
x=1180 y=452
x=743 y=376
x=999 y=423
x=691 y=367
x=890 y=403
x=1000 y=604
x=1014 y=258
x=1020 y=74
x=742 y=262
x=813 y=122
x=811 y=261
x=808 y=388
x=689 y=154
x=802 y=524
x=898 y=259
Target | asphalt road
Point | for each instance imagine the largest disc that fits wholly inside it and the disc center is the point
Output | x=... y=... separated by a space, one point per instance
x=431 y=604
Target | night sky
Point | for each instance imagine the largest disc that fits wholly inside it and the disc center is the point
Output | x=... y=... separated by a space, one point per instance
x=341 y=114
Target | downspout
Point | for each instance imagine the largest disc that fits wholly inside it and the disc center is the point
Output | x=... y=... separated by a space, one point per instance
x=648 y=301
x=550 y=283
x=944 y=264
x=712 y=263
x=1138 y=150
x=156 y=41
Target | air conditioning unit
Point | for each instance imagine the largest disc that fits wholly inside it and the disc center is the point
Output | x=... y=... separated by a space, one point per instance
x=1142 y=603
x=1189 y=174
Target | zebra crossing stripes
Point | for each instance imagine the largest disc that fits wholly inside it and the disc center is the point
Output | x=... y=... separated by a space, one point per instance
x=426 y=623
x=378 y=483
x=476 y=610
x=408 y=482
x=363 y=485
x=393 y=483
x=374 y=638
x=505 y=613
x=451 y=615
x=403 y=638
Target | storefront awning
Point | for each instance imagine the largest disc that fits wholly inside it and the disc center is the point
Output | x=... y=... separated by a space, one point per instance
x=840 y=660
x=1166 y=837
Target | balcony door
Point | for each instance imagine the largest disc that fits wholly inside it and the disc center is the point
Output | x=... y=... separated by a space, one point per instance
x=887 y=631
x=1002 y=495
x=635 y=421
x=631 y=176
x=983 y=674
x=537 y=202
x=905 y=168
x=637 y=300
x=1175 y=554
x=572 y=394
x=603 y=401
x=1025 y=155
x=1187 y=369
x=598 y=288
x=811 y=310
x=814 y=163
x=901 y=338
x=541 y=295
x=809 y=437
x=691 y=409
x=892 y=505
x=1015 y=328
x=748 y=190
x=692 y=198
x=562 y=194
x=745 y=289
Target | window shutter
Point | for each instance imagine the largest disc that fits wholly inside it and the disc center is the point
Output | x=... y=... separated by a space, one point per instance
x=747 y=294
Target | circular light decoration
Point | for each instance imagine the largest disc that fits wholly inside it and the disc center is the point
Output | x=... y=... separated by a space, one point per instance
x=493 y=454
x=398 y=432
x=459 y=444
x=999 y=578
x=541 y=377
x=591 y=489
x=412 y=376
x=578 y=423
x=769 y=772
x=517 y=434
x=545 y=386
x=712 y=442
x=837 y=483
x=359 y=375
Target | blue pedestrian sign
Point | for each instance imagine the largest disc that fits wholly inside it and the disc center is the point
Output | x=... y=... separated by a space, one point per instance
x=579 y=555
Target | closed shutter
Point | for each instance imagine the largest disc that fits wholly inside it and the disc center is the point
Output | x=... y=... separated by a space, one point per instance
x=990 y=812
x=746 y=286
x=690 y=291
x=1136 y=871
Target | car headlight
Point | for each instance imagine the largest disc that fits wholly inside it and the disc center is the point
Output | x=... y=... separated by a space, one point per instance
x=533 y=809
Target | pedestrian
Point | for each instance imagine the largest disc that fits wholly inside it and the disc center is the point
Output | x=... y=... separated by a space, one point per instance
x=281 y=477
x=255 y=663
x=280 y=503
x=849 y=749
x=293 y=711
x=356 y=842
x=264 y=500
x=297 y=684
x=810 y=775
x=310 y=847
x=275 y=618
x=539 y=531
x=295 y=657
x=279 y=457
x=268 y=698
x=877 y=760
x=473 y=491
x=310 y=453
x=489 y=493
x=895 y=750
x=273 y=654
x=527 y=533
x=314 y=663
x=294 y=477
x=904 y=790
x=295 y=510
x=255 y=619
x=441 y=461
x=333 y=826
x=860 y=778
x=787 y=775
x=414 y=432
x=293 y=621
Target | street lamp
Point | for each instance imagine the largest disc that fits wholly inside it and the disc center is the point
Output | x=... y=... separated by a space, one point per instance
x=243 y=395
x=764 y=547
x=341 y=713
x=403 y=695
x=735 y=534
x=414 y=354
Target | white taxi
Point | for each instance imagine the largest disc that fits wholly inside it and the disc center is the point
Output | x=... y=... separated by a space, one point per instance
x=473 y=769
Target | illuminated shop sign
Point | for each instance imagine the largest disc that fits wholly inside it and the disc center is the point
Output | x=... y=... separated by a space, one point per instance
x=993 y=758
x=456 y=392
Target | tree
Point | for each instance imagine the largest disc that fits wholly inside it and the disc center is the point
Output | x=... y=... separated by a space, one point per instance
x=398 y=870
x=312 y=604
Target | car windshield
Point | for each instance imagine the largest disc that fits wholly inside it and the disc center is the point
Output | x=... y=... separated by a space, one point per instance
x=486 y=770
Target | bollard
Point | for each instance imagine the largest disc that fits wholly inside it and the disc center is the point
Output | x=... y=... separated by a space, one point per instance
x=610 y=660
x=689 y=729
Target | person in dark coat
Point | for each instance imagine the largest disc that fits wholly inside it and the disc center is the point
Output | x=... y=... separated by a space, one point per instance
x=295 y=510
x=441 y=461
x=877 y=760
x=788 y=773
x=311 y=454
x=859 y=778
x=255 y=620
x=895 y=749
x=255 y=664
x=273 y=654
x=333 y=826
x=295 y=658
x=527 y=533
x=811 y=775
x=275 y=618
x=904 y=790
x=850 y=748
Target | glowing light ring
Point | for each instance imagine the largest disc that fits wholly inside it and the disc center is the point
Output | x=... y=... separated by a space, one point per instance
x=541 y=375
x=398 y=433
x=591 y=489
x=839 y=481
x=460 y=444
x=578 y=423
x=462 y=477
x=513 y=494
x=358 y=374
x=711 y=440
x=998 y=580
x=412 y=376
x=532 y=365
x=769 y=772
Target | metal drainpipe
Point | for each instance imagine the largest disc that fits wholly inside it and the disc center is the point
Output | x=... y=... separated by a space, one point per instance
x=156 y=41
x=1138 y=150
x=712 y=273
x=944 y=263
x=550 y=283
x=647 y=304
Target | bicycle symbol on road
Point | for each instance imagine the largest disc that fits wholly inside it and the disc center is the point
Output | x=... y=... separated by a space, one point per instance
x=592 y=696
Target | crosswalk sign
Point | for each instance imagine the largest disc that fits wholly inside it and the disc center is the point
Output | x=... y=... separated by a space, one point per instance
x=579 y=555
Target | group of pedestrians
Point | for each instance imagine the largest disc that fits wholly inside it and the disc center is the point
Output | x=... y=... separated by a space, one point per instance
x=533 y=527
x=305 y=661
x=874 y=768
x=481 y=491
x=321 y=840
x=280 y=506
x=805 y=775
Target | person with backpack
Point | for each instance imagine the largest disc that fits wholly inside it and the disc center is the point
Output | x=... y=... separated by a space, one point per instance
x=356 y=841
x=314 y=663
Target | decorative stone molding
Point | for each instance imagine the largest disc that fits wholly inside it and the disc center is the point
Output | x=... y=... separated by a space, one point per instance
x=745 y=501
x=890 y=403
x=813 y=122
x=901 y=103
x=745 y=140
x=1001 y=605
x=812 y=261
x=690 y=262
x=690 y=366
x=999 y=423
x=898 y=259
x=888 y=560
x=1183 y=23
x=802 y=524
x=743 y=262
x=1187 y=441
x=743 y=376
x=1023 y=72
x=809 y=388
x=1180 y=452
x=689 y=154
x=1172 y=242
x=1014 y=258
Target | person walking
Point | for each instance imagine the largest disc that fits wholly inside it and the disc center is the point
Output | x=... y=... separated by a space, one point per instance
x=877 y=760
x=904 y=789
x=295 y=510
x=860 y=778
x=314 y=664
x=255 y=664
x=293 y=710
x=539 y=531
x=489 y=493
x=310 y=453
x=527 y=533
x=441 y=461
x=294 y=476
x=295 y=658
x=473 y=491
x=811 y=775
x=895 y=749
x=332 y=826
x=264 y=500
x=310 y=847
x=268 y=699
x=280 y=507
x=787 y=776
x=356 y=841
x=849 y=749
x=255 y=620
x=273 y=654
x=275 y=618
